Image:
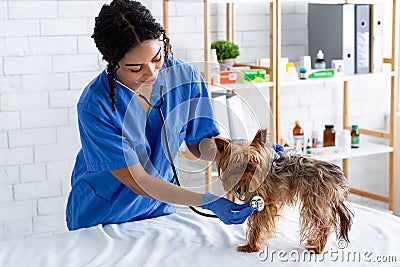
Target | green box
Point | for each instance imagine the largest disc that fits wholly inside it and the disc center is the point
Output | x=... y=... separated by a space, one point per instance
x=325 y=73
x=254 y=75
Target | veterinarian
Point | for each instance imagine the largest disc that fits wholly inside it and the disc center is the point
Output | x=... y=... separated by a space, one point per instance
x=122 y=172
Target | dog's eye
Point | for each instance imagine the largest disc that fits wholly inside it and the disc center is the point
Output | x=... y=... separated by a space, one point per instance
x=238 y=191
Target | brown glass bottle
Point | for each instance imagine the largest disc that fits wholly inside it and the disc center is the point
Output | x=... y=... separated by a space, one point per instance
x=329 y=135
x=355 y=136
x=298 y=135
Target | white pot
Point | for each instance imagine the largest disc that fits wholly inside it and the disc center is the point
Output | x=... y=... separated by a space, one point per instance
x=227 y=64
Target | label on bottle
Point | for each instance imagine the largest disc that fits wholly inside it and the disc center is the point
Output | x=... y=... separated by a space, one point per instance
x=355 y=141
x=299 y=139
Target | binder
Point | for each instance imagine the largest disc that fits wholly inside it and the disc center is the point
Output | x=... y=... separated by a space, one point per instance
x=376 y=38
x=362 y=39
x=331 y=28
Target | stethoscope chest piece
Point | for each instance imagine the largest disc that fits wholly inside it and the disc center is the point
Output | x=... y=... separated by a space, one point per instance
x=257 y=203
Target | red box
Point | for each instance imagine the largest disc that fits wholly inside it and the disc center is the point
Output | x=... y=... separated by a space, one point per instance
x=227 y=77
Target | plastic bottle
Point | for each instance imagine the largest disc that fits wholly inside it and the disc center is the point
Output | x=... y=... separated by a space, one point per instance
x=214 y=67
x=355 y=136
x=329 y=135
x=316 y=139
x=308 y=147
x=298 y=135
x=303 y=73
x=344 y=140
x=291 y=74
x=320 y=62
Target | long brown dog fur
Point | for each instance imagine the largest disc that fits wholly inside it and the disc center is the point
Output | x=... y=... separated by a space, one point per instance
x=318 y=186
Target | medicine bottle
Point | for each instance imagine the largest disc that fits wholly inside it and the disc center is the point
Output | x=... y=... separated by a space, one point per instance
x=291 y=74
x=303 y=73
x=316 y=139
x=298 y=135
x=355 y=136
x=320 y=62
x=329 y=135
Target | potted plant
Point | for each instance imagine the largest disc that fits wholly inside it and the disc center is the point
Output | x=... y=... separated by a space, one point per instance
x=226 y=51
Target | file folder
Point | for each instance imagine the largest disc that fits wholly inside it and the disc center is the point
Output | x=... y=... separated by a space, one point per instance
x=376 y=38
x=331 y=28
x=362 y=41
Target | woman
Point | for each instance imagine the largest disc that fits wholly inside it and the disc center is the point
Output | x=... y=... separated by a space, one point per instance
x=123 y=171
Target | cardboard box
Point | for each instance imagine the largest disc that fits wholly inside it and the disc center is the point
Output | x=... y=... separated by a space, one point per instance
x=254 y=75
x=317 y=73
x=227 y=77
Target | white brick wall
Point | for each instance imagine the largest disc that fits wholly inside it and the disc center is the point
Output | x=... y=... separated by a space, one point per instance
x=47 y=57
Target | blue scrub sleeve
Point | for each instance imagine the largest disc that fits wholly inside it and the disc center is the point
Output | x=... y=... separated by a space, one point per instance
x=102 y=143
x=201 y=118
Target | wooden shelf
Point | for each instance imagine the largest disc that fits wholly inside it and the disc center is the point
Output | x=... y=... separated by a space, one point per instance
x=365 y=149
x=336 y=1
x=240 y=86
x=340 y=79
x=224 y=1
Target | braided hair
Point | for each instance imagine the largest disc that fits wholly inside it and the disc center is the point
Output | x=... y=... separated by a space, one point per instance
x=121 y=26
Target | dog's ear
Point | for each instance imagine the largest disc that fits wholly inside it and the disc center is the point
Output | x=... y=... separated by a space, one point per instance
x=261 y=137
x=220 y=143
x=255 y=182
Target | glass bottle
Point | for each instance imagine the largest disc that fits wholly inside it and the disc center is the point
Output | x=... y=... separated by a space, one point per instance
x=298 y=135
x=355 y=136
x=320 y=62
x=329 y=135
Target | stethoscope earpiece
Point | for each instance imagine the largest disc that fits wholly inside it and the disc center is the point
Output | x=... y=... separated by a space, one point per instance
x=257 y=203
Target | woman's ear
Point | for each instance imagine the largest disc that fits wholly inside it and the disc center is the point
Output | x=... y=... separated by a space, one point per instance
x=221 y=143
x=260 y=138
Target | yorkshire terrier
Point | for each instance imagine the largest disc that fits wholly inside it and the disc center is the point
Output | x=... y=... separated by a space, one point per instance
x=247 y=169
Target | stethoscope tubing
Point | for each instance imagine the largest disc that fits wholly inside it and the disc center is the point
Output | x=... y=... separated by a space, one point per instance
x=158 y=108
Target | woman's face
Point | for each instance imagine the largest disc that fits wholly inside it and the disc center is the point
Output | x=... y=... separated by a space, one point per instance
x=140 y=65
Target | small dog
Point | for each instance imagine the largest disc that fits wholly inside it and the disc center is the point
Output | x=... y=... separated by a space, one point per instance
x=249 y=169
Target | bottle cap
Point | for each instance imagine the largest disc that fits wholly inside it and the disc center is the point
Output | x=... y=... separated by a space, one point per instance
x=329 y=126
x=297 y=123
x=354 y=126
x=320 y=54
x=303 y=70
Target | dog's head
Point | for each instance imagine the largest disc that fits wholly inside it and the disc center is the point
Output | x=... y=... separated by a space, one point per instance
x=243 y=165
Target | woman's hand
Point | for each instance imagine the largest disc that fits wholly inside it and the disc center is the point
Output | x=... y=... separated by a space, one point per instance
x=226 y=210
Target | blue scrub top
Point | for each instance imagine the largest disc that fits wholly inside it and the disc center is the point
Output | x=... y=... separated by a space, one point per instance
x=121 y=138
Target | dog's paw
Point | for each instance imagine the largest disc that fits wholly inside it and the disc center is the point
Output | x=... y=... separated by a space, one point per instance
x=248 y=249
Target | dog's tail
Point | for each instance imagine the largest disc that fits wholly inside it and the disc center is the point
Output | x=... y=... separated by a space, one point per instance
x=345 y=221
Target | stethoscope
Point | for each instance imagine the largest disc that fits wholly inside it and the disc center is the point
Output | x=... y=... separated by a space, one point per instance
x=257 y=203
x=164 y=127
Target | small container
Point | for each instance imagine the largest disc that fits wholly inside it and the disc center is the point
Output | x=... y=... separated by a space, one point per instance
x=303 y=73
x=316 y=139
x=329 y=135
x=320 y=62
x=344 y=140
x=305 y=62
x=292 y=75
x=355 y=136
x=298 y=135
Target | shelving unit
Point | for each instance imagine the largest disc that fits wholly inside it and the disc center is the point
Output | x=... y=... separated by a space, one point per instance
x=276 y=84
